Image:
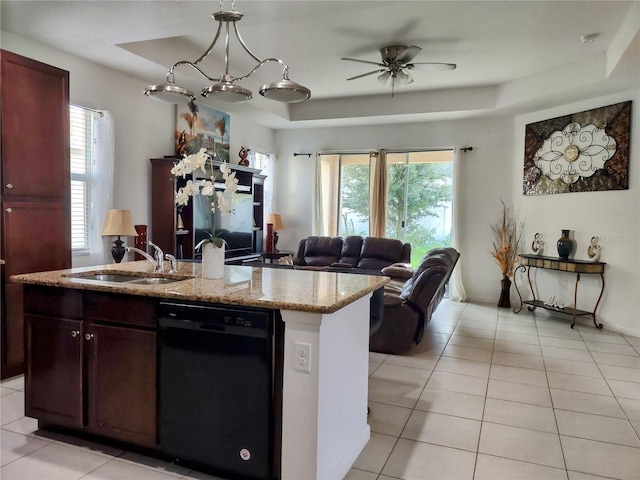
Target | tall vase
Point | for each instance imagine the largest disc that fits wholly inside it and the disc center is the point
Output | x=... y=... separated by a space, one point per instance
x=565 y=245
x=212 y=261
x=505 y=284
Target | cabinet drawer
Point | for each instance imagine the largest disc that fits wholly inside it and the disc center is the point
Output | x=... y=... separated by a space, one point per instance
x=52 y=301
x=126 y=309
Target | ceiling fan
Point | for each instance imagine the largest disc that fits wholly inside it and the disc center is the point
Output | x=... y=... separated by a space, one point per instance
x=396 y=63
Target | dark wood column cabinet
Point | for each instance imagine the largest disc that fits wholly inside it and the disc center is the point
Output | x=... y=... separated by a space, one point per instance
x=94 y=373
x=35 y=187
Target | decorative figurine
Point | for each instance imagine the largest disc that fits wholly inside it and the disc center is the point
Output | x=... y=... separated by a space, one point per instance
x=593 y=250
x=537 y=246
x=243 y=157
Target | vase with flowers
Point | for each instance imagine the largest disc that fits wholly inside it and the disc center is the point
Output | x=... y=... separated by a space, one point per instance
x=507 y=233
x=213 y=247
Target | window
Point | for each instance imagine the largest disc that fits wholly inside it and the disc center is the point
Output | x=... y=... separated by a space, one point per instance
x=419 y=195
x=81 y=158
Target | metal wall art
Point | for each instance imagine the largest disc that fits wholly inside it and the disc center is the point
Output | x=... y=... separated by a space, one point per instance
x=583 y=152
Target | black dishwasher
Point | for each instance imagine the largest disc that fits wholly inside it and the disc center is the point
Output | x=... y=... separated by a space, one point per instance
x=216 y=388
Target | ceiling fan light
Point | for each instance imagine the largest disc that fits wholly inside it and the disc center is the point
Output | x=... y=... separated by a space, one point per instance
x=170 y=93
x=286 y=91
x=384 y=77
x=227 y=92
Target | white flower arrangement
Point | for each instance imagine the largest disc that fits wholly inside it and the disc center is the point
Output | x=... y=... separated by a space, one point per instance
x=200 y=160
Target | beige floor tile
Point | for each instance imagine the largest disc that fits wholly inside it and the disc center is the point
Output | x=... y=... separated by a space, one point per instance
x=517 y=337
x=53 y=461
x=435 y=337
x=417 y=360
x=518 y=414
x=152 y=463
x=517 y=347
x=599 y=458
x=474 y=342
x=425 y=348
x=375 y=453
x=355 y=474
x=475 y=332
x=585 y=476
x=518 y=375
x=516 y=360
x=563 y=343
x=496 y=468
x=15 y=445
x=11 y=407
x=519 y=392
x=625 y=389
x=440 y=328
x=458 y=383
x=566 y=354
x=521 y=444
x=613 y=359
x=631 y=407
x=491 y=325
x=415 y=460
x=586 y=402
x=476 y=315
x=558 y=330
x=578 y=383
x=468 y=353
x=516 y=319
x=626 y=374
x=597 y=427
x=445 y=430
x=506 y=327
x=562 y=365
x=377 y=357
x=24 y=425
x=14 y=383
x=616 y=348
x=393 y=393
x=373 y=366
x=463 y=367
x=123 y=470
x=451 y=403
x=595 y=335
x=400 y=374
x=635 y=341
x=387 y=419
x=6 y=391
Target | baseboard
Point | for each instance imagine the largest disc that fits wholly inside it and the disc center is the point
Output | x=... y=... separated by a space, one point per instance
x=352 y=454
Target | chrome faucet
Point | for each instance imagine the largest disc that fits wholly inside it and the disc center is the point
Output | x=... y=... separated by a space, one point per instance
x=145 y=255
x=159 y=258
x=172 y=263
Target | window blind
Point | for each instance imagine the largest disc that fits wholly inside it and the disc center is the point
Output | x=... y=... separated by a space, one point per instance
x=81 y=142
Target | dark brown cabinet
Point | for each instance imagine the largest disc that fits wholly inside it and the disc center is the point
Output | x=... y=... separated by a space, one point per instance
x=35 y=187
x=96 y=373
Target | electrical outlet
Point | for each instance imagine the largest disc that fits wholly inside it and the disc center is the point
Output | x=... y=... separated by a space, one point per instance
x=563 y=284
x=302 y=360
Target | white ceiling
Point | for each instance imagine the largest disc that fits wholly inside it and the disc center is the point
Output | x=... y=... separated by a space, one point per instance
x=499 y=47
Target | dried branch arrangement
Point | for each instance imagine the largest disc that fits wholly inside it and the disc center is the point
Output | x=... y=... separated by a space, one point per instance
x=507 y=233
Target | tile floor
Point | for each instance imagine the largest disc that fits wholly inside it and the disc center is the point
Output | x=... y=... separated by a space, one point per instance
x=487 y=395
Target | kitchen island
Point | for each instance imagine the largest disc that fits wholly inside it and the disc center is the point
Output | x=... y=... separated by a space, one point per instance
x=320 y=401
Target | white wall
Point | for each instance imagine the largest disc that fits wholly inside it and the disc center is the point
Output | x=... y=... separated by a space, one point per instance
x=486 y=177
x=614 y=216
x=143 y=127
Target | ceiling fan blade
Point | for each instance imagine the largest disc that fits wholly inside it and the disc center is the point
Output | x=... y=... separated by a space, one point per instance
x=408 y=54
x=366 y=74
x=431 y=66
x=363 y=61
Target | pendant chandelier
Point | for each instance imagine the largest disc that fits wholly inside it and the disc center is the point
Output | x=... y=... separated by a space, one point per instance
x=225 y=87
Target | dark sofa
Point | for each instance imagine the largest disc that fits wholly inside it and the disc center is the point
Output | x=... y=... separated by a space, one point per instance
x=410 y=300
x=365 y=253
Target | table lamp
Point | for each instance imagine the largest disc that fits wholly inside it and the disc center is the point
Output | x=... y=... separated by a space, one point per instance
x=276 y=220
x=118 y=222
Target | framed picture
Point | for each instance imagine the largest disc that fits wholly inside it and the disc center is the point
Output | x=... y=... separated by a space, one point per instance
x=200 y=126
x=582 y=152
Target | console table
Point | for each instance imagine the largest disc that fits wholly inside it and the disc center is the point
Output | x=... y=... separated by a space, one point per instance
x=528 y=261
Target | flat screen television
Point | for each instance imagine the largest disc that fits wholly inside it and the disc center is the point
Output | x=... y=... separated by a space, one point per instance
x=236 y=228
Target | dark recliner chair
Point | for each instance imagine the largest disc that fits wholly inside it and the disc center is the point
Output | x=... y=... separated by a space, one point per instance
x=409 y=305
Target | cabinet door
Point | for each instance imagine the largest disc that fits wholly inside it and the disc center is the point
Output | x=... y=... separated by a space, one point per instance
x=121 y=370
x=35 y=128
x=53 y=380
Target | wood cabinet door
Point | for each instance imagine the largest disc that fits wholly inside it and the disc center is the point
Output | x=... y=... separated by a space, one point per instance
x=53 y=378
x=35 y=128
x=121 y=372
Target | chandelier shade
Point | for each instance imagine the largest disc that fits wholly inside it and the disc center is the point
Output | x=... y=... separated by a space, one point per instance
x=225 y=87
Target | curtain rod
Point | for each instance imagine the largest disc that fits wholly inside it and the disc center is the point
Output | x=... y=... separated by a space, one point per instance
x=296 y=154
x=467 y=149
x=99 y=112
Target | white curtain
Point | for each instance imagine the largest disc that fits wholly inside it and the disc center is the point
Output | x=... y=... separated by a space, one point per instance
x=457 y=292
x=101 y=187
x=318 y=208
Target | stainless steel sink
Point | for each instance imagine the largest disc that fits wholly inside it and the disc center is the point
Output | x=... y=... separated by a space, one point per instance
x=109 y=277
x=138 y=278
x=154 y=281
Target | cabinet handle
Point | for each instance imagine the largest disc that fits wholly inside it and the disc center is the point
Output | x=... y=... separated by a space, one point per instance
x=9 y=186
x=88 y=336
x=8 y=209
x=75 y=333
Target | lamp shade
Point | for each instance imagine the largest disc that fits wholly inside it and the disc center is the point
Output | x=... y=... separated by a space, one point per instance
x=276 y=220
x=118 y=222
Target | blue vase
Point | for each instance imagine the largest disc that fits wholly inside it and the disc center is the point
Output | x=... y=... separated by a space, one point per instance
x=565 y=245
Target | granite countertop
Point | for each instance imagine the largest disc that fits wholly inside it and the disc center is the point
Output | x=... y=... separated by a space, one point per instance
x=275 y=288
